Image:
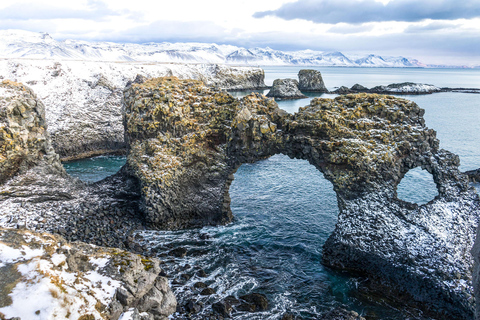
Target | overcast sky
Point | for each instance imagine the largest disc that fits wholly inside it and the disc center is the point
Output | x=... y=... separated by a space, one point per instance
x=433 y=31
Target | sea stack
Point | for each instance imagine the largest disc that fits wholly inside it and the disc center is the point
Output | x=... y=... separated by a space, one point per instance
x=285 y=89
x=311 y=80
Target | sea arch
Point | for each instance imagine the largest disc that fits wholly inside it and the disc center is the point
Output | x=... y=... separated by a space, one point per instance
x=186 y=140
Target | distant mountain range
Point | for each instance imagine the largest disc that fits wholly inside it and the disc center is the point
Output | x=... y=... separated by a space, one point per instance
x=33 y=45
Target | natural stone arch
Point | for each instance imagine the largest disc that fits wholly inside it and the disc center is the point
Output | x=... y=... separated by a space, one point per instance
x=186 y=140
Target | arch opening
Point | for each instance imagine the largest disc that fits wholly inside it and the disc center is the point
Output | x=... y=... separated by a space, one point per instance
x=284 y=210
x=96 y=168
x=417 y=186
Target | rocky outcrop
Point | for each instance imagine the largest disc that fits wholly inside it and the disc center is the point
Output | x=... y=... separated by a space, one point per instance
x=77 y=280
x=285 y=89
x=176 y=132
x=83 y=99
x=24 y=141
x=473 y=175
x=344 y=90
x=187 y=140
x=406 y=88
x=311 y=80
x=37 y=193
x=394 y=88
x=359 y=88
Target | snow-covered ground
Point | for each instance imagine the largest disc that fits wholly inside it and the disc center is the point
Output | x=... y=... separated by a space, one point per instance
x=46 y=278
x=32 y=45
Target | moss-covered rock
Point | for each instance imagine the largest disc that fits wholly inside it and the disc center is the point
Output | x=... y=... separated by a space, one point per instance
x=24 y=141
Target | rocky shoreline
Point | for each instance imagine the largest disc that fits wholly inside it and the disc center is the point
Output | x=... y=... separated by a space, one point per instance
x=185 y=140
x=312 y=81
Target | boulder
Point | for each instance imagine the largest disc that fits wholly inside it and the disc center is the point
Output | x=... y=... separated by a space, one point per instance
x=473 y=175
x=285 y=89
x=311 y=80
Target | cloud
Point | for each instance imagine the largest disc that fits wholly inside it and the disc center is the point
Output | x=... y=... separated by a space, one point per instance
x=348 y=28
x=434 y=26
x=361 y=11
x=173 y=31
x=96 y=10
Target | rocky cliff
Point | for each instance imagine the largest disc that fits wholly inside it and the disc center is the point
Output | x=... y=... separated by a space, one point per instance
x=83 y=99
x=187 y=140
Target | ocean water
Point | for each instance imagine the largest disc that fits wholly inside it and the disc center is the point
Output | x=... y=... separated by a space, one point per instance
x=285 y=210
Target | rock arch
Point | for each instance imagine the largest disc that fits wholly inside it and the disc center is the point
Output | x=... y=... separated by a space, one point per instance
x=186 y=141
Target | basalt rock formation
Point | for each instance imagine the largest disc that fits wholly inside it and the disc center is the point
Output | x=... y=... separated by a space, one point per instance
x=285 y=89
x=311 y=80
x=186 y=140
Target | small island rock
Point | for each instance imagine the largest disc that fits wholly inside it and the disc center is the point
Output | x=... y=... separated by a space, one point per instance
x=285 y=89
x=311 y=80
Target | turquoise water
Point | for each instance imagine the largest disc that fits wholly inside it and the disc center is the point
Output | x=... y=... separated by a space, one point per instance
x=285 y=210
x=96 y=168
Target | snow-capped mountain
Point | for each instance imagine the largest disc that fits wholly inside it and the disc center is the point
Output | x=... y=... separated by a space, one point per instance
x=32 y=45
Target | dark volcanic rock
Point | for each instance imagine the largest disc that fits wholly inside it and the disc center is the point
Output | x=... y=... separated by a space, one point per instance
x=285 y=89
x=343 y=90
x=187 y=140
x=222 y=308
x=473 y=175
x=207 y=291
x=258 y=300
x=311 y=80
x=359 y=88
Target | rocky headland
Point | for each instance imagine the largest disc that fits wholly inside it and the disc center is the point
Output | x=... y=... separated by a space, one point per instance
x=83 y=98
x=185 y=140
